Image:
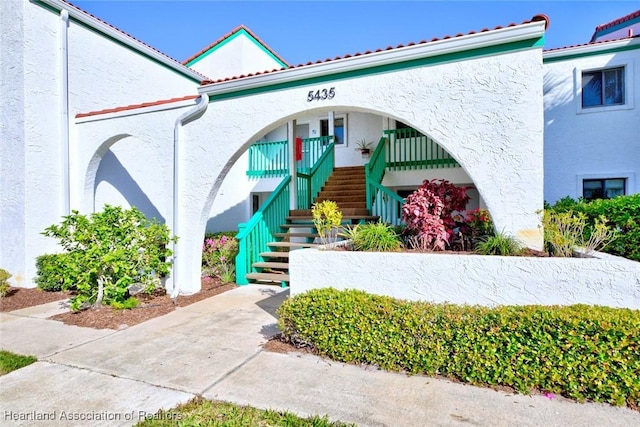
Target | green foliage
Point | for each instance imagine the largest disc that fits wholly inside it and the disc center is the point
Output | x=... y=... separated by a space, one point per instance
x=127 y=304
x=326 y=218
x=622 y=214
x=563 y=231
x=499 y=244
x=5 y=287
x=480 y=224
x=582 y=352
x=104 y=254
x=11 y=361
x=200 y=412
x=219 y=255
x=377 y=237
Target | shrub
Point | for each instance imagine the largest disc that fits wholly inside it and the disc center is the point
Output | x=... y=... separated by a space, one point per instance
x=579 y=351
x=480 y=224
x=326 y=218
x=622 y=213
x=104 y=254
x=5 y=287
x=218 y=257
x=428 y=214
x=564 y=231
x=499 y=244
x=378 y=237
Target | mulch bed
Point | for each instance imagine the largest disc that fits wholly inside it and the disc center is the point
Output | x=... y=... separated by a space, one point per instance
x=151 y=306
x=18 y=298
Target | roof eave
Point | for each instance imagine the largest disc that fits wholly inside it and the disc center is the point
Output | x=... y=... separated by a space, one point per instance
x=589 y=48
x=121 y=37
x=479 y=40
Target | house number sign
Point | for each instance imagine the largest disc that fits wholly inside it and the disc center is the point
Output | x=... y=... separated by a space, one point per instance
x=321 y=94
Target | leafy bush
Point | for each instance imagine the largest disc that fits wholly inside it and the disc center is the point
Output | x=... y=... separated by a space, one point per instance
x=218 y=257
x=104 y=254
x=564 y=231
x=579 y=351
x=480 y=224
x=622 y=213
x=377 y=237
x=428 y=214
x=326 y=218
x=499 y=244
x=5 y=287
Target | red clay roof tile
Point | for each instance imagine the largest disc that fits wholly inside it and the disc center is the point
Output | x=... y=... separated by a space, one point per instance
x=136 y=106
x=539 y=17
x=621 y=20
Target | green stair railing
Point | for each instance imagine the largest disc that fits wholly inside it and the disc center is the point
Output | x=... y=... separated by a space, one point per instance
x=268 y=159
x=381 y=201
x=310 y=181
x=312 y=150
x=374 y=170
x=409 y=149
x=254 y=235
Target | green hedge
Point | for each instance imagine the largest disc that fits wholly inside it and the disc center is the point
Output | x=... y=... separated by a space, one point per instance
x=579 y=351
x=622 y=212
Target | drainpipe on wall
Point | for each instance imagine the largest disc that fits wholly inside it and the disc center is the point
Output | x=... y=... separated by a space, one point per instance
x=64 y=110
x=193 y=114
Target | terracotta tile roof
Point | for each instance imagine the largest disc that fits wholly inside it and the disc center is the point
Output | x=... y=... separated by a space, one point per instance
x=588 y=44
x=229 y=34
x=136 y=106
x=133 y=38
x=615 y=22
x=539 y=17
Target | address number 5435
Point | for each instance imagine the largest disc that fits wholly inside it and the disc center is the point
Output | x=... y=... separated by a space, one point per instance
x=321 y=94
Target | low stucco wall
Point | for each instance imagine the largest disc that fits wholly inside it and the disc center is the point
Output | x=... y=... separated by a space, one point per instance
x=471 y=279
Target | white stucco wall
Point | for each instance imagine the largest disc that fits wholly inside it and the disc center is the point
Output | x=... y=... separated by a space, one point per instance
x=589 y=143
x=471 y=279
x=241 y=55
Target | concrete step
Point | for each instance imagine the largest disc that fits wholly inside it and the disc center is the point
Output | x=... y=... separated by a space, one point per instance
x=359 y=214
x=289 y=235
x=270 y=264
x=291 y=245
x=274 y=255
x=268 y=277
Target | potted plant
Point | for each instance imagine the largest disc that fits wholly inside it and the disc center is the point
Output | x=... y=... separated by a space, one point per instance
x=364 y=146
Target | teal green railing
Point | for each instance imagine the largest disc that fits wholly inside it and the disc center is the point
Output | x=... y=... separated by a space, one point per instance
x=254 y=235
x=374 y=170
x=268 y=159
x=409 y=149
x=310 y=183
x=386 y=204
x=312 y=150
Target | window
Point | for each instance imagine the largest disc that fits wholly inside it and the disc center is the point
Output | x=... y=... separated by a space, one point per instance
x=603 y=87
x=603 y=188
x=339 y=129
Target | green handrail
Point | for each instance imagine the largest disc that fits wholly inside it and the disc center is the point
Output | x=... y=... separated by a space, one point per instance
x=312 y=150
x=386 y=204
x=254 y=235
x=268 y=159
x=374 y=169
x=309 y=184
x=409 y=149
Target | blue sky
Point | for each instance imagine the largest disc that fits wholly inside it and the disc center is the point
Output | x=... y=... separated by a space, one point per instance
x=302 y=31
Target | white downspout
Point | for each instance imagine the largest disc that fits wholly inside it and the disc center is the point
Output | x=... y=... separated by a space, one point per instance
x=64 y=110
x=201 y=106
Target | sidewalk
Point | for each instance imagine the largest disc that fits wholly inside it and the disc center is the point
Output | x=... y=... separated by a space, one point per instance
x=213 y=348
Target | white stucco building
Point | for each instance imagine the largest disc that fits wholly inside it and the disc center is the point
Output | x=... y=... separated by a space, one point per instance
x=92 y=116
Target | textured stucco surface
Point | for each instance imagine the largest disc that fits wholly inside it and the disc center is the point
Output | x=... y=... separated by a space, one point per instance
x=471 y=279
x=592 y=143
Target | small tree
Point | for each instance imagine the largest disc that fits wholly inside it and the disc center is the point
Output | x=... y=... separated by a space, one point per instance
x=326 y=218
x=428 y=214
x=107 y=252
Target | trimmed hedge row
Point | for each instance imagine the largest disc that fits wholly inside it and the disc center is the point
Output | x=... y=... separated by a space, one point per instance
x=622 y=212
x=579 y=351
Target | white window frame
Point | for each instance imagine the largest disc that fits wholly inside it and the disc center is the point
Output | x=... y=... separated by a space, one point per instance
x=346 y=128
x=629 y=180
x=629 y=100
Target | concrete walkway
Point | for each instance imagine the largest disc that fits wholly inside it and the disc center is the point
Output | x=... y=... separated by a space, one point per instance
x=214 y=348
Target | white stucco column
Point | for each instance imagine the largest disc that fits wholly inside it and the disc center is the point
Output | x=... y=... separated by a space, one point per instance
x=331 y=123
x=291 y=136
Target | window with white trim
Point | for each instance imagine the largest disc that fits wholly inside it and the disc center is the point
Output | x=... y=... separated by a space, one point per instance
x=602 y=88
x=603 y=188
x=339 y=129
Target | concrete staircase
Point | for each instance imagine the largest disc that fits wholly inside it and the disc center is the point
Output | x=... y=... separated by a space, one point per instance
x=346 y=187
